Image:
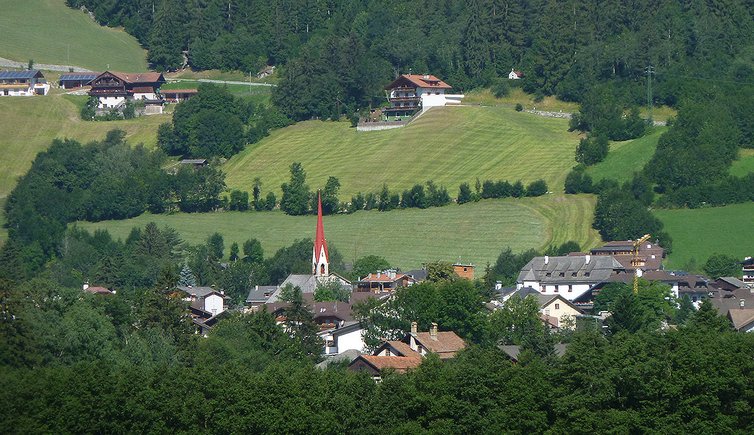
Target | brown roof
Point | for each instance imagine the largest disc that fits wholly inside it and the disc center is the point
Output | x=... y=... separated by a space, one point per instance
x=398 y=363
x=446 y=344
x=420 y=81
x=372 y=277
x=147 y=77
x=143 y=89
x=403 y=348
x=179 y=91
x=98 y=290
x=741 y=317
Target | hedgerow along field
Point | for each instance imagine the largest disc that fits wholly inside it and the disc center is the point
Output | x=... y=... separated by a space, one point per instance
x=29 y=124
x=627 y=157
x=449 y=146
x=474 y=232
x=699 y=233
x=48 y=31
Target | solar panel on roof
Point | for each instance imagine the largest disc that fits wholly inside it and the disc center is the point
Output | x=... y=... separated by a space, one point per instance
x=18 y=74
x=77 y=76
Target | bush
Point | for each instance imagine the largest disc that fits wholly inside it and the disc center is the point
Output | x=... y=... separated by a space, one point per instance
x=464 y=194
x=519 y=107
x=536 y=188
x=501 y=88
x=592 y=149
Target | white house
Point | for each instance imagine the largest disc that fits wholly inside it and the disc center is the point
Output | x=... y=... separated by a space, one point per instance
x=569 y=276
x=411 y=92
x=350 y=336
x=204 y=300
x=114 y=89
x=515 y=75
x=23 y=83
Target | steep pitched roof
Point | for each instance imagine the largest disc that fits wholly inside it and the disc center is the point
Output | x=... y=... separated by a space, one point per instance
x=569 y=269
x=445 y=344
x=742 y=318
x=147 y=77
x=319 y=241
x=18 y=75
x=397 y=363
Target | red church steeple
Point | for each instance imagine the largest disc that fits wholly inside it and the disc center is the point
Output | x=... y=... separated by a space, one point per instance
x=320 y=256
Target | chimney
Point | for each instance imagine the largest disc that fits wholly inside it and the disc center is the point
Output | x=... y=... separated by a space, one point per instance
x=414 y=328
x=86 y=285
x=741 y=303
x=587 y=259
x=433 y=331
x=379 y=274
x=547 y=259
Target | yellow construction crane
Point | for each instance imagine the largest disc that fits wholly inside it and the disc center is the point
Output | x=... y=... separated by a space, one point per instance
x=636 y=262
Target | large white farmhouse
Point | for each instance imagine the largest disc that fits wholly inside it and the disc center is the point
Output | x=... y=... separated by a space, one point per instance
x=569 y=276
x=411 y=92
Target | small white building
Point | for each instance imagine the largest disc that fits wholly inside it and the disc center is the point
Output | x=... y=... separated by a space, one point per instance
x=350 y=336
x=515 y=75
x=204 y=300
x=23 y=83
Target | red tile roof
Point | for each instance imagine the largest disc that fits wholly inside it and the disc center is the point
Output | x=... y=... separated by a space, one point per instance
x=420 y=81
x=445 y=344
x=398 y=363
x=148 y=77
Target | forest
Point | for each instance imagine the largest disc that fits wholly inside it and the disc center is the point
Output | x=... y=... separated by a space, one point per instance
x=348 y=50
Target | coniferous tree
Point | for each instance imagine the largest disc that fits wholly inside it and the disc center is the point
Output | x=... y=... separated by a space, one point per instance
x=186 y=278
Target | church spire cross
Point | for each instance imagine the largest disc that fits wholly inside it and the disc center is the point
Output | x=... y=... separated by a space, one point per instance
x=320 y=256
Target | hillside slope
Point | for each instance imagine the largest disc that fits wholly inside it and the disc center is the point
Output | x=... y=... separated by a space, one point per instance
x=448 y=145
x=29 y=124
x=50 y=32
x=474 y=232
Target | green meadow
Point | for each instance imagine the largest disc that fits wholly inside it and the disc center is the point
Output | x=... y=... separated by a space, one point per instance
x=699 y=233
x=48 y=31
x=448 y=145
x=474 y=232
x=627 y=157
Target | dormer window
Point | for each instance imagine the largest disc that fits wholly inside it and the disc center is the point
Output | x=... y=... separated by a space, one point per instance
x=573 y=274
x=548 y=274
x=562 y=274
x=587 y=273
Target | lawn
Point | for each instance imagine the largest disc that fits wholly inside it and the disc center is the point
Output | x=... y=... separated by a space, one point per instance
x=29 y=124
x=448 y=145
x=258 y=94
x=550 y=104
x=474 y=232
x=745 y=163
x=702 y=232
x=50 y=32
x=627 y=157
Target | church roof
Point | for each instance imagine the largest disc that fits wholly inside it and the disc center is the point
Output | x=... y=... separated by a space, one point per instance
x=319 y=240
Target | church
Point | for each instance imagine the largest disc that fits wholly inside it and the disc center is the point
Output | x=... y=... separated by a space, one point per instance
x=320 y=274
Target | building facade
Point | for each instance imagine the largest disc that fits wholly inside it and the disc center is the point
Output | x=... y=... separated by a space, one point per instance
x=410 y=93
x=23 y=83
x=114 y=89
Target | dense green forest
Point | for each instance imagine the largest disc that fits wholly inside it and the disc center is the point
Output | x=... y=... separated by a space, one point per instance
x=338 y=54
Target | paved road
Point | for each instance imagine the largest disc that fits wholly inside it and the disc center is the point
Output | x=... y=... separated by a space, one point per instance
x=7 y=63
x=226 y=82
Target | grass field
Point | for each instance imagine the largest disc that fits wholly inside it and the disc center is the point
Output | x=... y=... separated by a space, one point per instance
x=258 y=94
x=475 y=232
x=702 y=232
x=448 y=145
x=214 y=74
x=516 y=96
x=745 y=163
x=50 y=32
x=627 y=157
x=29 y=124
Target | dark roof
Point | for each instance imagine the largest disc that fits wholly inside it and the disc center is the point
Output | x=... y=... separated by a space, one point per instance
x=348 y=355
x=193 y=161
x=260 y=293
x=514 y=350
x=733 y=281
x=199 y=292
x=15 y=75
x=78 y=76
x=147 y=77
x=575 y=269
x=417 y=274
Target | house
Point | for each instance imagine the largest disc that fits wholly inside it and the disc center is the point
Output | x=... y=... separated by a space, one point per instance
x=411 y=92
x=196 y=163
x=259 y=295
x=204 y=301
x=76 y=79
x=515 y=75
x=347 y=338
x=742 y=319
x=406 y=354
x=729 y=283
x=512 y=351
x=555 y=310
x=96 y=290
x=747 y=268
x=321 y=274
x=114 y=89
x=384 y=281
x=650 y=255
x=570 y=276
x=463 y=270
x=23 y=83
x=177 y=95
x=267 y=71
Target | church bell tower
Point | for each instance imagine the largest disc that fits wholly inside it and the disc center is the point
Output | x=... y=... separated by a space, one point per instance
x=320 y=256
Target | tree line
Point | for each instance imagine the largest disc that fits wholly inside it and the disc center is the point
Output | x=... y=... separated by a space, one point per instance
x=336 y=56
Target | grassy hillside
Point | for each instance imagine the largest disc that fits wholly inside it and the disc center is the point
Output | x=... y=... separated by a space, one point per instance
x=447 y=145
x=29 y=124
x=50 y=32
x=627 y=157
x=744 y=164
x=475 y=232
x=702 y=232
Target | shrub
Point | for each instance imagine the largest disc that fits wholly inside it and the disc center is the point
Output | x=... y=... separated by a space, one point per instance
x=536 y=188
x=519 y=107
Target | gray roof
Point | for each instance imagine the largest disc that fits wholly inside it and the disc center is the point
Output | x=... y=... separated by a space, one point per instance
x=417 y=274
x=260 y=293
x=347 y=356
x=569 y=269
x=513 y=350
x=78 y=76
x=199 y=292
x=15 y=75
x=734 y=281
x=307 y=283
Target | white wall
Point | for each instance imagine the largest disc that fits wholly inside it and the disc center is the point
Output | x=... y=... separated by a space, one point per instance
x=432 y=97
x=562 y=289
x=110 y=102
x=145 y=96
x=350 y=340
x=214 y=304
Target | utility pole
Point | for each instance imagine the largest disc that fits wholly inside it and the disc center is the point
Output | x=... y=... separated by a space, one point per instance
x=649 y=70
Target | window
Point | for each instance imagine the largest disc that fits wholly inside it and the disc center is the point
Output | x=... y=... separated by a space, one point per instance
x=573 y=274
x=557 y=306
x=557 y=287
x=387 y=352
x=587 y=273
x=562 y=274
x=570 y=288
x=548 y=274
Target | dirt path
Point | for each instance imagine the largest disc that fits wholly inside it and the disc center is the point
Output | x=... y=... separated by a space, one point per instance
x=7 y=63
